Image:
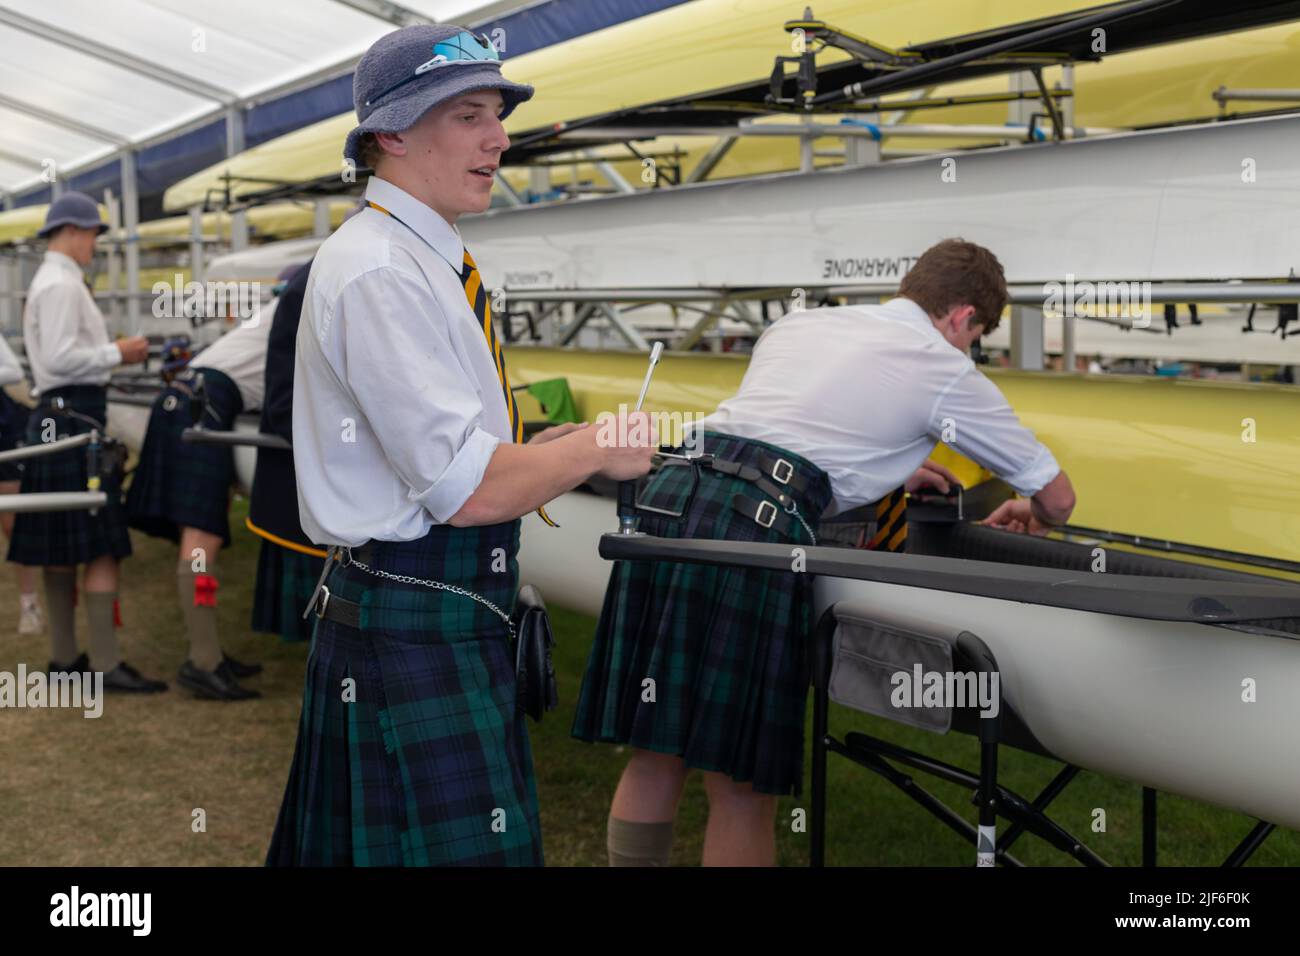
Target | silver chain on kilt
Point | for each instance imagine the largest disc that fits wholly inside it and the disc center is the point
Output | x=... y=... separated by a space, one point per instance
x=439 y=586
x=794 y=510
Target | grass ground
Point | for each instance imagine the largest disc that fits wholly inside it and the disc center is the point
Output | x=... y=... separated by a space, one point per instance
x=121 y=790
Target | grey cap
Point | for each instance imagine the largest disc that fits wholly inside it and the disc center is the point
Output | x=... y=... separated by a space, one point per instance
x=72 y=209
x=394 y=58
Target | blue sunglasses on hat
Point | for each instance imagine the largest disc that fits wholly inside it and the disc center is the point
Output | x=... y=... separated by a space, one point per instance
x=463 y=48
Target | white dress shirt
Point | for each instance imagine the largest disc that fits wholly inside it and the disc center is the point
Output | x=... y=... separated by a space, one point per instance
x=865 y=391
x=397 y=406
x=241 y=354
x=11 y=370
x=63 y=330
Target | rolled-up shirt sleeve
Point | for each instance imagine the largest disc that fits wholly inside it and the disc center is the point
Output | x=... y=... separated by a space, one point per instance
x=407 y=379
x=974 y=417
x=58 y=320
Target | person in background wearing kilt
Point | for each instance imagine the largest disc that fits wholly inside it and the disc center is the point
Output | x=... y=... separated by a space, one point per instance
x=411 y=467
x=180 y=491
x=13 y=423
x=288 y=563
x=838 y=407
x=71 y=360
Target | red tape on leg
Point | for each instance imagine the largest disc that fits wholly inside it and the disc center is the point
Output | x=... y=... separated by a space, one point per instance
x=205 y=590
x=117 y=613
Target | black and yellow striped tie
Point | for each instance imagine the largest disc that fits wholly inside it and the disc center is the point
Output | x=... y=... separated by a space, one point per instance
x=891 y=522
x=478 y=301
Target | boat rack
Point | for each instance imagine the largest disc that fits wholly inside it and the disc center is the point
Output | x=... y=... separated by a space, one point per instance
x=1002 y=727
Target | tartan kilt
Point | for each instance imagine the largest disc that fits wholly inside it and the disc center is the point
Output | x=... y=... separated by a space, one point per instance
x=13 y=424
x=68 y=537
x=285 y=581
x=431 y=764
x=177 y=484
x=725 y=646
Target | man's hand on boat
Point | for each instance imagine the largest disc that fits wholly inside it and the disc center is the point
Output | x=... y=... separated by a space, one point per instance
x=931 y=475
x=1016 y=515
x=1050 y=507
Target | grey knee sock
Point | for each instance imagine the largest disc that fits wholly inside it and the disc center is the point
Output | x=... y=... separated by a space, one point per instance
x=60 y=586
x=200 y=618
x=639 y=844
x=103 y=642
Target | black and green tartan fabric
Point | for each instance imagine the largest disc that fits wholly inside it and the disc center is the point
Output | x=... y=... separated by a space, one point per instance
x=726 y=647
x=429 y=763
x=13 y=428
x=67 y=537
x=285 y=581
x=178 y=484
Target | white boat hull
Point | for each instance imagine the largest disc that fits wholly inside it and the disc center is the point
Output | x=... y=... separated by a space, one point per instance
x=1159 y=703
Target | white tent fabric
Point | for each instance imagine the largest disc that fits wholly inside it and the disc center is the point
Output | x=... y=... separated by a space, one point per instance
x=80 y=79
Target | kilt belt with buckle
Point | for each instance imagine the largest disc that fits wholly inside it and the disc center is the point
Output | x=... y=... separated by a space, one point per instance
x=783 y=480
x=331 y=607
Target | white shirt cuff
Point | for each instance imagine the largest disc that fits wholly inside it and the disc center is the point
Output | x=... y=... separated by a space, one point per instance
x=112 y=355
x=448 y=494
x=1029 y=481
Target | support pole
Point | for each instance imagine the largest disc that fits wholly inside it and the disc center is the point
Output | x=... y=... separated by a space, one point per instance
x=1026 y=338
x=114 y=257
x=131 y=222
x=321 y=219
x=197 y=267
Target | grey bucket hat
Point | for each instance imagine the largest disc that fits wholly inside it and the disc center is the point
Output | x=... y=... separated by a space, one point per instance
x=72 y=209
x=391 y=96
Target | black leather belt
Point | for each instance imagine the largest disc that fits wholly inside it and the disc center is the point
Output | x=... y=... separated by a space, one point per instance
x=331 y=607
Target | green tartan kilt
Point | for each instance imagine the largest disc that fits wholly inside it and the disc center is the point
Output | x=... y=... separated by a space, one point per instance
x=178 y=484
x=428 y=763
x=726 y=647
x=285 y=581
x=68 y=537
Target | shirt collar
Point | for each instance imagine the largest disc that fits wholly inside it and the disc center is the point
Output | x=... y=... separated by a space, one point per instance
x=908 y=312
x=62 y=259
x=426 y=223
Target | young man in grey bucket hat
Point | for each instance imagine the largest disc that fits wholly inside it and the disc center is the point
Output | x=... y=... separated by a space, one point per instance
x=412 y=470
x=71 y=359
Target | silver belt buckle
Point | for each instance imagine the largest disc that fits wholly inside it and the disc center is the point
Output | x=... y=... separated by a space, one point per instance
x=783 y=471
x=771 y=518
x=323 y=602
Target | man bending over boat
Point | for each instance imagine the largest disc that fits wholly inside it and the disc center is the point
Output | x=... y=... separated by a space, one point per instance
x=839 y=408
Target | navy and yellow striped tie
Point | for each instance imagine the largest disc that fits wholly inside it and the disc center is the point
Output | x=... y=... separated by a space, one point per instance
x=479 y=302
x=891 y=522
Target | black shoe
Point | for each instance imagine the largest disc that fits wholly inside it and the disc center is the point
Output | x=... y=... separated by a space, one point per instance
x=79 y=666
x=126 y=679
x=239 y=668
x=219 y=684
